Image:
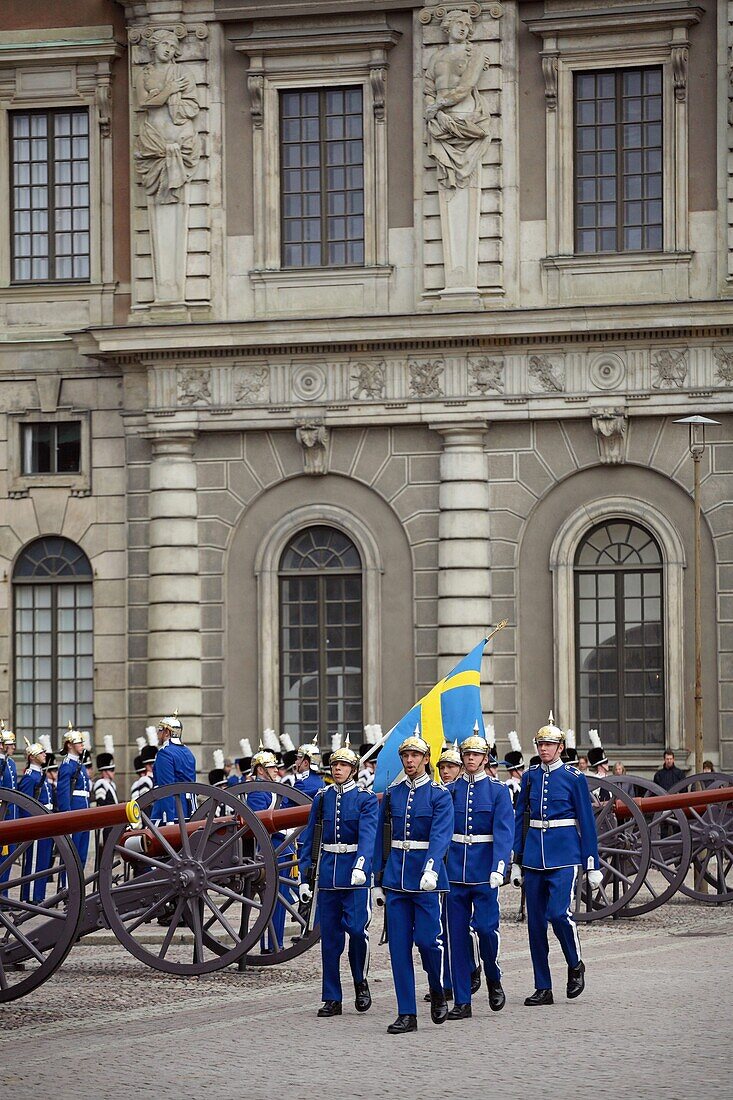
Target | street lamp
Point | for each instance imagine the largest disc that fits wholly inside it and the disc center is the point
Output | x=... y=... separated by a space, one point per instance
x=697 y=425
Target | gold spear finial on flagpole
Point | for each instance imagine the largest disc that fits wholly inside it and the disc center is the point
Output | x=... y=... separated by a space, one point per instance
x=497 y=628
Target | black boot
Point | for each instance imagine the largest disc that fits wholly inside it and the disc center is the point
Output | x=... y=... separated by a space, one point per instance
x=460 y=1012
x=576 y=980
x=402 y=1025
x=363 y=1000
x=540 y=997
x=438 y=1006
x=448 y=995
x=330 y=1008
x=497 y=1000
x=475 y=980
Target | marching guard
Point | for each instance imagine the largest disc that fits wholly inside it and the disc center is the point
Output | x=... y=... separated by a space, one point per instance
x=264 y=768
x=73 y=786
x=554 y=839
x=39 y=856
x=336 y=851
x=415 y=828
x=174 y=763
x=478 y=858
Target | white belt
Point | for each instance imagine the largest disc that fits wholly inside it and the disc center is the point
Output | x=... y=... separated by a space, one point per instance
x=340 y=849
x=557 y=823
x=407 y=845
x=80 y=794
x=473 y=838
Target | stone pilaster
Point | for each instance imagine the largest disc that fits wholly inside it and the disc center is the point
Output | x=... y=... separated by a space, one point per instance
x=463 y=550
x=174 y=592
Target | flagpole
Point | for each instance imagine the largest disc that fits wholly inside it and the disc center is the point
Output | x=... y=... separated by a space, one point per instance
x=378 y=745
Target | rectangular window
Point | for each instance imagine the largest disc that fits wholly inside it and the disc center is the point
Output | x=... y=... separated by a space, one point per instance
x=52 y=448
x=49 y=195
x=322 y=177
x=618 y=161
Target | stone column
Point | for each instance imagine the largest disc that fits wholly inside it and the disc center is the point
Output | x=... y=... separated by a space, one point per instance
x=174 y=593
x=463 y=553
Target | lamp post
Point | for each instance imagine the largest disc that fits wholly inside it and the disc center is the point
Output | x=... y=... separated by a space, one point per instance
x=696 y=425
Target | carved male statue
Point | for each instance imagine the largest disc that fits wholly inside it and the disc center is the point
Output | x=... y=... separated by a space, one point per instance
x=457 y=119
x=167 y=148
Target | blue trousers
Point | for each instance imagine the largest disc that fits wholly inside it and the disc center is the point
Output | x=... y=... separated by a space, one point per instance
x=414 y=920
x=81 y=843
x=550 y=898
x=474 y=906
x=279 y=913
x=38 y=857
x=343 y=913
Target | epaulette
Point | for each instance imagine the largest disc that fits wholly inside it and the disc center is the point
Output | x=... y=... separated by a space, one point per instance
x=495 y=779
x=534 y=767
x=573 y=769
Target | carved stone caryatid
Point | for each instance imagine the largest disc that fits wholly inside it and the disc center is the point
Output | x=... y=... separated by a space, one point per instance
x=167 y=150
x=459 y=130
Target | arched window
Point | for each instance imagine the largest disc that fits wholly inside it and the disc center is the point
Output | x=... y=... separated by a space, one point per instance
x=321 y=636
x=52 y=639
x=619 y=634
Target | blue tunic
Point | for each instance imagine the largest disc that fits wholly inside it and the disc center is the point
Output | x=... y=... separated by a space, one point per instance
x=483 y=807
x=562 y=829
x=349 y=821
x=421 y=815
x=73 y=785
x=310 y=783
x=175 y=763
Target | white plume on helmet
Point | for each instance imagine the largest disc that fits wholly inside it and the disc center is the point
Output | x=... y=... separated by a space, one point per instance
x=514 y=741
x=218 y=755
x=286 y=742
x=45 y=740
x=570 y=739
x=595 y=739
x=141 y=743
x=245 y=747
x=109 y=743
x=335 y=742
x=270 y=741
x=151 y=733
x=372 y=733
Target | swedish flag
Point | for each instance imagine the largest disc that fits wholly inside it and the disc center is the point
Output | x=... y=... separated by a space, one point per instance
x=450 y=710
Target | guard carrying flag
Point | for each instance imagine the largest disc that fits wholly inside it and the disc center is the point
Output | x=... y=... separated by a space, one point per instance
x=336 y=849
x=415 y=827
x=554 y=839
x=478 y=859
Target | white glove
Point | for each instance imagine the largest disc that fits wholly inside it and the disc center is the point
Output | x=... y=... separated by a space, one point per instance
x=595 y=878
x=516 y=877
x=358 y=878
x=496 y=879
x=378 y=895
x=304 y=892
x=429 y=880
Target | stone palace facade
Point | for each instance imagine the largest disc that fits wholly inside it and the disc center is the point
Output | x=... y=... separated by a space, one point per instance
x=332 y=333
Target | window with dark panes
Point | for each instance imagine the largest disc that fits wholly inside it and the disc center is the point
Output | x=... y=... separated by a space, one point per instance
x=53 y=639
x=321 y=636
x=619 y=631
x=49 y=195
x=618 y=161
x=52 y=448
x=322 y=177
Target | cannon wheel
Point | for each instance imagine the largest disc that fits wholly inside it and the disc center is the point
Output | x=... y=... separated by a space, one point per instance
x=624 y=849
x=671 y=848
x=287 y=875
x=36 y=936
x=712 y=841
x=190 y=885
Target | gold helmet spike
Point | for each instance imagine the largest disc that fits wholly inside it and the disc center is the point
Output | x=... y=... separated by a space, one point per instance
x=450 y=754
x=263 y=758
x=34 y=749
x=344 y=755
x=415 y=743
x=550 y=732
x=475 y=743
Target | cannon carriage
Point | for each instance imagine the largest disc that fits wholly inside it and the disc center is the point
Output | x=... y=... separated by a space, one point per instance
x=216 y=875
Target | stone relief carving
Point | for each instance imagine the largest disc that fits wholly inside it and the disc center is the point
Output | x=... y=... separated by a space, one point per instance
x=547 y=377
x=194 y=386
x=251 y=384
x=459 y=131
x=549 y=75
x=166 y=151
x=607 y=371
x=486 y=375
x=724 y=368
x=610 y=428
x=671 y=369
x=312 y=435
x=425 y=377
x=369 y=380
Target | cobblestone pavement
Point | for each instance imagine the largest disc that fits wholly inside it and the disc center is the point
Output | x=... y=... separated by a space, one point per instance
x=655 y=1021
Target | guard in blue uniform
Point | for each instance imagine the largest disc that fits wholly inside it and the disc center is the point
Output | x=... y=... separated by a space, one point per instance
x=73 y=786
x=478 y=858
x=174 y=763
x=415 y=827
x=307 y=781
x=39 y=856
x=8 y=780
x=264 y=767
x=554 y=840
x=336 y=849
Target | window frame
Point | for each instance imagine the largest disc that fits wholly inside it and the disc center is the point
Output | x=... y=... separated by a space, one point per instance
x=20 y=483
x=49 y=113
x=54 y=424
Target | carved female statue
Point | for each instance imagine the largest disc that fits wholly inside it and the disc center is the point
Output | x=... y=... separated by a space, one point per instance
x=457 y=119
x=167 y=149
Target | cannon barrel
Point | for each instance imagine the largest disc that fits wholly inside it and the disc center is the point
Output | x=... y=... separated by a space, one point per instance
x=684 y=800
x=275 y=821
x=46 y=826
